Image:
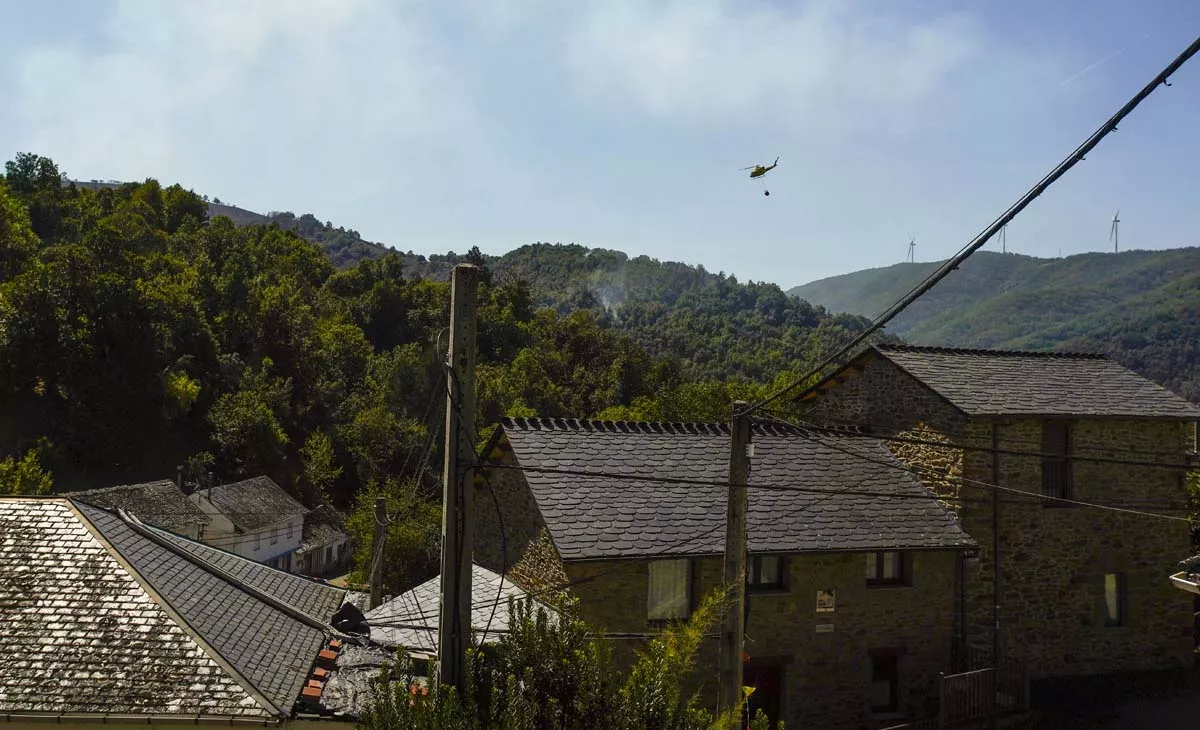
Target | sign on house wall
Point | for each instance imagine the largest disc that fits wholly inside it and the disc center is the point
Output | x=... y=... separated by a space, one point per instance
x=826 y=601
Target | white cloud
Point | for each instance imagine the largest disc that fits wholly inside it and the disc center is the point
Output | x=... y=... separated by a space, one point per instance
x=220 y=88
x=722 y=61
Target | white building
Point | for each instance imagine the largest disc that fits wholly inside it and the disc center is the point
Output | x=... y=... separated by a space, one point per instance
x=253 y=518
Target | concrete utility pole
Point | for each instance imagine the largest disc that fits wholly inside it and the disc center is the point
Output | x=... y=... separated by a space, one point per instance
x=454 y=630
x=377 y=548
x=733 y=630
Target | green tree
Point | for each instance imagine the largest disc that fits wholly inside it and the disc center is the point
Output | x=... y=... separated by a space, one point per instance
x=24 y=476
x=319 y=467
x=413 y=543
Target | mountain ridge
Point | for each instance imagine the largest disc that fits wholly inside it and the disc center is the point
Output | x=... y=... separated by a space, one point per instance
x=1140 y=307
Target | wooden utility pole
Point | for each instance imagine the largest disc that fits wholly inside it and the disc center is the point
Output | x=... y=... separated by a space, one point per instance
x=454 y=629
x=377 y=548
x=733 y=629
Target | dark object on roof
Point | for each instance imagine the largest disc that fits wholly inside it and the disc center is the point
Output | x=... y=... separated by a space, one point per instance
x=597 y=517
x=350 y=620
x=161 y=503
x=1007 y=383
x=323 y=526
x=253 y=504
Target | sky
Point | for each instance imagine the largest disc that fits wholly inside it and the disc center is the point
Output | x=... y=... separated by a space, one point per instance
x=437 y=125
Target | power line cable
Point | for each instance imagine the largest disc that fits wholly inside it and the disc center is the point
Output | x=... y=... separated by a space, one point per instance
x=984 y=236
x=868 y=431
x=828 y=422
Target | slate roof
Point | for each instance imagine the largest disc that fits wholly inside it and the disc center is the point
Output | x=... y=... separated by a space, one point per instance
x=253 y=504
x=315 y=598
x=140 y=620
x=323 y=526
x=160 y=503
x=1008 y=383
x=420 y=607
x=272 y=649
x=84 y=636
x=591 y=518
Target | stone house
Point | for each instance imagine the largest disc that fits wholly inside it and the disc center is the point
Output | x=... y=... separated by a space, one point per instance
x=853 y=602
x=1079 y=589
x=253 y=518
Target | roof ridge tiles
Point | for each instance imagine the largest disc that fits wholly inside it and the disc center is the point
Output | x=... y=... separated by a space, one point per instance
x=984 y=352
x=674 y=428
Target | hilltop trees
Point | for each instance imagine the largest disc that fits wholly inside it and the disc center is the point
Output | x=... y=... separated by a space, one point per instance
x=139 y=335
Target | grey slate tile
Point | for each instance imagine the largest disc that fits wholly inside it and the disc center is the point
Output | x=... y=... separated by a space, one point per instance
x=273 y=650
x=597 y=517
x=85 y=637
x=254 y=503
x=999 y=383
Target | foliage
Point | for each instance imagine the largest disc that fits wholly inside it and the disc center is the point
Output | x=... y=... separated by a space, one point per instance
x=140 y=335
x=413 y=543
x=319 y=466
x=556 y=672
x=1141 y=308
x=24 y=476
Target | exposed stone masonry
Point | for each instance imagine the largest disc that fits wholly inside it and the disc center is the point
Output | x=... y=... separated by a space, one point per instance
x=1053 y=558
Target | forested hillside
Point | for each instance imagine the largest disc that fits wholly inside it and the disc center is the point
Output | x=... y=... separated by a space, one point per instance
x=137 y=334
x=1140 y=307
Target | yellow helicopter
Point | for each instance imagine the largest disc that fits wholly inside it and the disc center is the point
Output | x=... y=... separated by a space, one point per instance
x=760 y=170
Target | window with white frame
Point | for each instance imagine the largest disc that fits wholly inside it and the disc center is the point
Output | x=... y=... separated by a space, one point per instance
x=289 y=534
x=274 y=535
x=669 y=590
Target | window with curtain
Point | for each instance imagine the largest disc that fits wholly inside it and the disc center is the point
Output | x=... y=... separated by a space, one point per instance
x=887 y=568
x=766 y=573
x=669 y=594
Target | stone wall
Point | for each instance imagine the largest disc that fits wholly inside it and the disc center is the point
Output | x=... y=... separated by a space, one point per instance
x=1053 y=558
x=526 y=553
x=826 y=675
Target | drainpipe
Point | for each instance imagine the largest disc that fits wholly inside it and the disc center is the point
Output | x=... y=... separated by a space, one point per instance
x=995 y=560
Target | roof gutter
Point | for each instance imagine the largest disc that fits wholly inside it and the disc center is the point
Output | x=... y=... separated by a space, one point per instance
x=137 y=526
x=75 y=718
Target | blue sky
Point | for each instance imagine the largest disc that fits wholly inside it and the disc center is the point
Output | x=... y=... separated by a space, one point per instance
x=435 y=126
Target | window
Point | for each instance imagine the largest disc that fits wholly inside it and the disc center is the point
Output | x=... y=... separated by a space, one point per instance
x=885 y=683
x=1114 y=599
x=257 y=540
x=766 y=573
x=329 y=555
x=669 y=597
x=1056 y=468
x=887 y=568
x=274 y=535
x=289 y=536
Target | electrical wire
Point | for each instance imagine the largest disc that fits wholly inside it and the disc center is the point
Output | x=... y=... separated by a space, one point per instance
x=984 y=236
x=868 y=429
x=871 y=431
